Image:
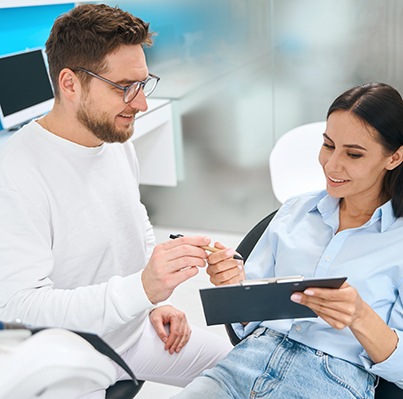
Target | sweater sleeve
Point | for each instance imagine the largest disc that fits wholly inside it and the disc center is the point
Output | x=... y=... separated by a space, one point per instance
x=27 y=291
x=150 y=237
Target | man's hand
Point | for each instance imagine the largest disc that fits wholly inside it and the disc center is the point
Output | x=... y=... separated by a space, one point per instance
x=223 y=268
x=179 y=329
x=172 y=263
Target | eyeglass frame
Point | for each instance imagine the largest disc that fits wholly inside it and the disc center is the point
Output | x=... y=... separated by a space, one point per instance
x=141 y=83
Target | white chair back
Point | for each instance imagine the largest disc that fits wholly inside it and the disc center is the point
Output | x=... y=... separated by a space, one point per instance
x=294 y=165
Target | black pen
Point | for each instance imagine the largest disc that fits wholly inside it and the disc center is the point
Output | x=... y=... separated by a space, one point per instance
x=206 y=247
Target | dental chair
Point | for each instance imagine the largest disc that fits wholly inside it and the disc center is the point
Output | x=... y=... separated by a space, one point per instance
x=294 y=169
x=293 y=162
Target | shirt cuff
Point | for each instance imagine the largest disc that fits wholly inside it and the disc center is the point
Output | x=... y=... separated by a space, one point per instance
x=391 y=369
x=243 y=331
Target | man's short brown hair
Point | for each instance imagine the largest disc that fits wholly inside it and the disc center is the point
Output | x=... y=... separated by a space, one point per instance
x=85 y=35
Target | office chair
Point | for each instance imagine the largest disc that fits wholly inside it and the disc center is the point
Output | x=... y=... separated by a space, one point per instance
x=53 y=363
x=69 y=362
x=293 y=161
x=294 y=169
x=123 y=390
x=384 y=390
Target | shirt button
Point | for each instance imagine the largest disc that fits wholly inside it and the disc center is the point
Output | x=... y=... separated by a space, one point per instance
x=298 y=328
x=327 y=258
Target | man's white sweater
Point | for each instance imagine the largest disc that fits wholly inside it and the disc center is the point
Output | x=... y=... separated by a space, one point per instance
x=74 y=236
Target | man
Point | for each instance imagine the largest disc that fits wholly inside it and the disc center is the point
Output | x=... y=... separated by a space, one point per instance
x=76 y=246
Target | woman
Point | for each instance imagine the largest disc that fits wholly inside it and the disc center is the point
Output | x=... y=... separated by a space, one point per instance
x=354 y=228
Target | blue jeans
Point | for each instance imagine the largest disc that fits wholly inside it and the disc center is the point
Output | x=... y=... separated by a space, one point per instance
x=268 y=364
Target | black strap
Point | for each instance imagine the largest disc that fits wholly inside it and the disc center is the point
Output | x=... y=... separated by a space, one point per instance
x=102 y=347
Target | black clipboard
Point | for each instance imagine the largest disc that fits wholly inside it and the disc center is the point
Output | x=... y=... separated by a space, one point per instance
x=258 y=300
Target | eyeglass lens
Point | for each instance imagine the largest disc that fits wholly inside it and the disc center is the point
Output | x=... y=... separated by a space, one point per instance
x=148 y=87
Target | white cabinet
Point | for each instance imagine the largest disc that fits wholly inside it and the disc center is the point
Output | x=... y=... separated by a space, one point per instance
x=153 y=140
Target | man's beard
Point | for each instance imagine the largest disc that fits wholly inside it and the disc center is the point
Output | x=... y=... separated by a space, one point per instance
x=102 y=128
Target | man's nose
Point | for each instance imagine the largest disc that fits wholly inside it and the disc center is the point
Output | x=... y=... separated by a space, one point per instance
x=139 y=102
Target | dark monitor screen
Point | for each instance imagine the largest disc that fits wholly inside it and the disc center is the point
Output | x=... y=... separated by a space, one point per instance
x=25 y=88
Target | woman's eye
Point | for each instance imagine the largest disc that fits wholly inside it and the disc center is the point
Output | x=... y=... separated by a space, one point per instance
x=328 y=146
x=355 y=156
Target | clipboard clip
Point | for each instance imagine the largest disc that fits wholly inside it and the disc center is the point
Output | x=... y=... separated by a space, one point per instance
x=271 y=280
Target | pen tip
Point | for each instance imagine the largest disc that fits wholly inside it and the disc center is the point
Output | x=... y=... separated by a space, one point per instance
x=173 y=236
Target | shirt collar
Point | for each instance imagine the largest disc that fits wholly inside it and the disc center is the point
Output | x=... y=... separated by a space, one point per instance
x=327 y=205
x=386 y=214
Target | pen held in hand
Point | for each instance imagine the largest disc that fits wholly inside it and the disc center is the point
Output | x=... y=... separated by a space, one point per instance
x=206 y=247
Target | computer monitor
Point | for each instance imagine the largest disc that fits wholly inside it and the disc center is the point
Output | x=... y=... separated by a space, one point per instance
x=25 y=88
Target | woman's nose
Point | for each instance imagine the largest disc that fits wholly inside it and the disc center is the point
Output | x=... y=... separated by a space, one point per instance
x=334 y=163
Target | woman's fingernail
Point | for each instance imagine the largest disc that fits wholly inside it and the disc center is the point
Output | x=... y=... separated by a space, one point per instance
x=309 y=292
x=296 y=297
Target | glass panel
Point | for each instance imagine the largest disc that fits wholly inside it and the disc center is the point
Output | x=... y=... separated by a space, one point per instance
x=240 y=74
x=325 y=47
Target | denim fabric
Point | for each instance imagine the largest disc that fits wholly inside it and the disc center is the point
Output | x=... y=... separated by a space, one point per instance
x=268 y=364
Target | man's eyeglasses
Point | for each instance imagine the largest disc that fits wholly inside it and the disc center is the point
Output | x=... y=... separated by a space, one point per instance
x=130 y=92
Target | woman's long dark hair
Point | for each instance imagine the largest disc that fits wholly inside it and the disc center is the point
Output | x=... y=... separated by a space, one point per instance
x=380 y=106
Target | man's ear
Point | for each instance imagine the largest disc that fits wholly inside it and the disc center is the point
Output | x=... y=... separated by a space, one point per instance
x=69 y=85
x=396 y=159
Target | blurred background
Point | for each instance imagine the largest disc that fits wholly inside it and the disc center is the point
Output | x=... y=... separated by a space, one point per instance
x=240 y=73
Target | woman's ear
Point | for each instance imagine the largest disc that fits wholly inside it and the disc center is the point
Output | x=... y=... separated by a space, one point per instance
x=396 y=159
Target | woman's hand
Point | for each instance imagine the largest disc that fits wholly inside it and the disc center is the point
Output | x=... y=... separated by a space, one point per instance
x=344 y=307
x=223 y=268
x=339 y=307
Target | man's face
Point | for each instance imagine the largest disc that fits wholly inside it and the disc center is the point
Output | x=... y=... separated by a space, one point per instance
x=102 y=109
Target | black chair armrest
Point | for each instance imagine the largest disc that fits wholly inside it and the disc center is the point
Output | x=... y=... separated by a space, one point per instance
x=231 y=334
x=388 y=390
x=123 y=390
x=249 y=241
x=245 y=247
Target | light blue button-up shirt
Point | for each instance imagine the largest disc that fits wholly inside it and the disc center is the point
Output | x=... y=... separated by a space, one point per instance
x=302 y=239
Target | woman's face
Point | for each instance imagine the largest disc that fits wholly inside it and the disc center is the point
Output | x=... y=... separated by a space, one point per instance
x=353 y=161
